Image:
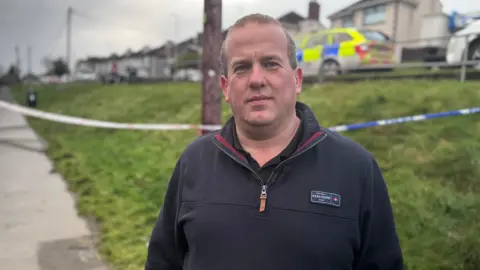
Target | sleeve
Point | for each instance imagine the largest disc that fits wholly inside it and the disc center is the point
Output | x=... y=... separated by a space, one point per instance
x=166 y=248
x=380 y=245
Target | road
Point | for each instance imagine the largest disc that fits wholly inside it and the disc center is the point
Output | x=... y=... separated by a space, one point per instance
x=39 y=225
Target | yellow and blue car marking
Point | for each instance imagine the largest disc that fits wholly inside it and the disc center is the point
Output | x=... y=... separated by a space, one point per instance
x=322 y=52
x=349 y=54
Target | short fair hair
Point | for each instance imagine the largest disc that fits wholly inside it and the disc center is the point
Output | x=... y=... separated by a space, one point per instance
x=260 y=19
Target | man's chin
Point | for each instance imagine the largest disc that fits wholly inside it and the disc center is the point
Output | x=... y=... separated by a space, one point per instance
x=259 y=121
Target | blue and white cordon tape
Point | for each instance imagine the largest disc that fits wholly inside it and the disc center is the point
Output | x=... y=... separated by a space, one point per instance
x=414 y=118
x=112 y=125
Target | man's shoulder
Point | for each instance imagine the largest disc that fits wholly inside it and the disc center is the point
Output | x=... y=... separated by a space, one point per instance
x=200 y=146
x=347 y=147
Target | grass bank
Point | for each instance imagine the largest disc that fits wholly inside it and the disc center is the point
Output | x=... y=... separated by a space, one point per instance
x=432 y=167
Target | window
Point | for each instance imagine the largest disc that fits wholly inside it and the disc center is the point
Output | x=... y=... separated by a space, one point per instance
x=375 y=14
x=341 y=37
x=321 y=39
x=298 y=40
x=374 y=35
x=348 y=21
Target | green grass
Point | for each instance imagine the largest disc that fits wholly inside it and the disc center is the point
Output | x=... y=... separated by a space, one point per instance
x=432 y=168
x=422 y=72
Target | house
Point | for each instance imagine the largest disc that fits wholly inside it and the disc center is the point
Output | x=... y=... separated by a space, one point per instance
x=98 y=65
x=297 y=25
x=87 y=65
x=147 y=63
x=160 y=61
x=163 y=61
x=402 y=20
x=187 y=53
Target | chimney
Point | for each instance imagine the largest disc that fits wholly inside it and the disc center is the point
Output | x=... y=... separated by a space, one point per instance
x=314 y=10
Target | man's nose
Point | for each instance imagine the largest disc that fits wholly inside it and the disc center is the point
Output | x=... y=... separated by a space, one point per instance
x=257 y=77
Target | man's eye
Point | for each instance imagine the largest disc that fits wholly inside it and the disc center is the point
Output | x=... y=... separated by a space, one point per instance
x=239 y=68
x=271 y=64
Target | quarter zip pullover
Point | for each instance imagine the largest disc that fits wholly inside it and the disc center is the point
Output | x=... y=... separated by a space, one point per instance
x=325 y=206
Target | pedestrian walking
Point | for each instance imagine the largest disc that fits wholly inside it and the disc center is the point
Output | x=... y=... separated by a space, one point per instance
x=273 y=189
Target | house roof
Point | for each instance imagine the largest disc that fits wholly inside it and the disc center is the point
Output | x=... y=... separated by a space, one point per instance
x=291 y=17
x=361 y=4
x=159 y=51
x=93 y=59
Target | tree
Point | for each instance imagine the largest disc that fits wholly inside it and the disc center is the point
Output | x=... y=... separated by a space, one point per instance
x=13 y=71
x=12 y=76
x=57 y=67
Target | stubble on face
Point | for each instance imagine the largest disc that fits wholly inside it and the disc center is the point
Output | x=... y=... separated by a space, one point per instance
x=261 y=86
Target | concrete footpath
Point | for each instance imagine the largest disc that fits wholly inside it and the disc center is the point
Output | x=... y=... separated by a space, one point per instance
x=39 y=225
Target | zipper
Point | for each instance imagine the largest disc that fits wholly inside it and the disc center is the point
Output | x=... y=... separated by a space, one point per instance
x=271 y=178
x=263 y=198
x=241 y=163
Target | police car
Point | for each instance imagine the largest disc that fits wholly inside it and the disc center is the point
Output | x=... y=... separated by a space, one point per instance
x=465 y=40
x=334 y=51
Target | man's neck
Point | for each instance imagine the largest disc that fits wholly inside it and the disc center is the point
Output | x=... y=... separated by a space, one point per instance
x=271 y=141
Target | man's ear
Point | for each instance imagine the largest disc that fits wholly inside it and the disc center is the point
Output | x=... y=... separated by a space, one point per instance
x=298 y=80
x=224 y=83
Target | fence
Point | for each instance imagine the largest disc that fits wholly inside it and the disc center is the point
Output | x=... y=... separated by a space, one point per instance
x=416 y=58
x=453 y=56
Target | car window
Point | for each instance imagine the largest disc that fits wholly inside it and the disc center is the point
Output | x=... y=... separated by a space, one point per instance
x=374 y=35
x=341 y=37
x=298 y=40
x=316 y=40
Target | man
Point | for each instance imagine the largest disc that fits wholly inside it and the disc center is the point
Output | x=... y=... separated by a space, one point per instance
x=272 y=189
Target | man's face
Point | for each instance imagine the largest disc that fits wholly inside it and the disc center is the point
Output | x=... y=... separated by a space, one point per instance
x=260 y=86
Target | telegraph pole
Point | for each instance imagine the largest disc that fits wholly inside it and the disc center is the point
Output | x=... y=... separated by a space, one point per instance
x=395 y=27
x=69 y=37
x=29 y=60
x=212 y=38
x=17 y=58
x=395 y=21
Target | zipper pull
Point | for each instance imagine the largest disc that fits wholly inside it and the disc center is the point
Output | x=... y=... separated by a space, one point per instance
x=263 y=198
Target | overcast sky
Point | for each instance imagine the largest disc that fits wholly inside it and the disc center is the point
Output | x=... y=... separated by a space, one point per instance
x=101 y=27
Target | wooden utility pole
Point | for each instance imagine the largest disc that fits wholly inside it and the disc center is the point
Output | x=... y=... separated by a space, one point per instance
x=69 y=37
x=395 y=26
x=17 y=59
x=212 y=42
x=395 y=19
x=29 y=60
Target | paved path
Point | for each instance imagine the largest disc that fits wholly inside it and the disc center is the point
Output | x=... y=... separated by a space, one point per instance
x=39 y=226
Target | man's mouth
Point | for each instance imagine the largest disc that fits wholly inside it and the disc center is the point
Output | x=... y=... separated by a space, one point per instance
x=258 y=98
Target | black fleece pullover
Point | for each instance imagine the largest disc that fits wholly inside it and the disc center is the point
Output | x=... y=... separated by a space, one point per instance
x=326 y=206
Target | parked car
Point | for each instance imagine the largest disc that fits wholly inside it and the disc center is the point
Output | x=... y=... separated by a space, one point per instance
x=191 y=75
x=85 y=76
x=458 y=44
x=112 y=78
x=338 y=50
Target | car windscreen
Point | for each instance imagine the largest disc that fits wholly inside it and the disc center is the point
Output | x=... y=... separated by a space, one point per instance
x=298 y=40
x=374 y=35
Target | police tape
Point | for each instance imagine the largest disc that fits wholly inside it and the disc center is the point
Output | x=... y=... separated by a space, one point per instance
x=97 y=123
x=413 y=118
x=134 y=126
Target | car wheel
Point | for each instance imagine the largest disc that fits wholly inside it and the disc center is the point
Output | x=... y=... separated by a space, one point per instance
x=330 y=68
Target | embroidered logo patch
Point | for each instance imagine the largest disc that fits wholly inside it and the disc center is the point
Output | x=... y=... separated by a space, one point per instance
x=328 y=198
